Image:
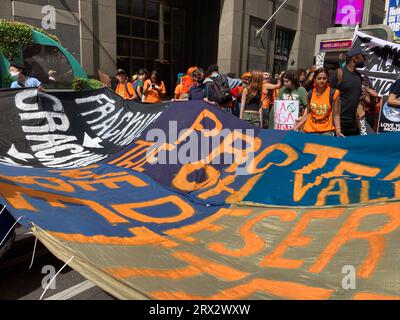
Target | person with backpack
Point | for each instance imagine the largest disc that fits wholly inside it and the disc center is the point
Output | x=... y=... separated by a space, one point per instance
x=154 y=89
x=124 y=87
x=199 y=90
x=349 y=82
x=251 y=110
x=219 y=90
x=323 y=113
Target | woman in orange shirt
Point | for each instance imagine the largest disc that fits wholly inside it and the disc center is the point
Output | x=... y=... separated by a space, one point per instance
x=124 y=88
x=323 y=113
x=154 y=89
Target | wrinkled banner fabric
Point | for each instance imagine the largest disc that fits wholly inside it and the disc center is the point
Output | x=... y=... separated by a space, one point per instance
x=250 y=214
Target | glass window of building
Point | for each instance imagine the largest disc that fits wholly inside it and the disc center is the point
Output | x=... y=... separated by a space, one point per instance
x=144 y=29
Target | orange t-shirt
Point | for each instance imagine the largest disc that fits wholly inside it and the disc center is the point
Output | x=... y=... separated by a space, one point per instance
x=187 y=83
x=152 y=95
x=320 y=117
x=180 y=92
x=121 y=91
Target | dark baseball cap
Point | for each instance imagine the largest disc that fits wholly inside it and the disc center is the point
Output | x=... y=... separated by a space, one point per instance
x=120 y=71
x=17 y=65
x=355 y=51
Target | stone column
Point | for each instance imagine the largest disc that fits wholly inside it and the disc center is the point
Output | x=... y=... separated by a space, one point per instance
x=230 y=35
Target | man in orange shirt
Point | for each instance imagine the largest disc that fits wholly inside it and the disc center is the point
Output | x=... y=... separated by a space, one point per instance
x=124 y=88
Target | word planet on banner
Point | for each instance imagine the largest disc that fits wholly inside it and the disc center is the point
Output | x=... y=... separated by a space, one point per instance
x=286 y=114
x=389 y=120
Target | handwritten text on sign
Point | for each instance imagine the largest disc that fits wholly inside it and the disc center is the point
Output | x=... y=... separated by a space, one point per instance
x=286 y=113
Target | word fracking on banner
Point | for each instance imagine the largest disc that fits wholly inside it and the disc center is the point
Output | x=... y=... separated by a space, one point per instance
x=286 y=114
x=69 y=129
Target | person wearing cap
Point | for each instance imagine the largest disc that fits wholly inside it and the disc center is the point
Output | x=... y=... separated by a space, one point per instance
x=349 y=82
x=20 y=78
x=124 y=88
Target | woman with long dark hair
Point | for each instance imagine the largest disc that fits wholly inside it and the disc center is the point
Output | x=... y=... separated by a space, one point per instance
x=251 y=110
x=323 y=113
x=154 y=89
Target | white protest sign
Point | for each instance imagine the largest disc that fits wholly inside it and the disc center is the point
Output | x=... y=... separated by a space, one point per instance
x=286 y=113
x=320 y=60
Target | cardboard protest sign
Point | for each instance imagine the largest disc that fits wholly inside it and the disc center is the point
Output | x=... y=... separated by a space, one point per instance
x=286 y=113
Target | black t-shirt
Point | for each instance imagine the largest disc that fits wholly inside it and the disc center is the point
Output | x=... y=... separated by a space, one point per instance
x=198 y=92
x=395 y=88
x=253 y=103
x=350 y=93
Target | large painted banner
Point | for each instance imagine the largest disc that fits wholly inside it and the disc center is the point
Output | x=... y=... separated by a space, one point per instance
x=204 y=206
x=383 y=61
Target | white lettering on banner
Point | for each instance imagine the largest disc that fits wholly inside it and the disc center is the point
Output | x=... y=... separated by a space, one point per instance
x=92 y=143
x=363 y=127
x=116 y=126
x=50 y=140
x=12 y=163
x=45 y=128
x=22 y=96
x=19 y=155
x=49 y=148
x=51 y=125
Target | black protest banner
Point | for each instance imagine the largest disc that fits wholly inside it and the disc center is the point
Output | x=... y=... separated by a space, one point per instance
x=389 y=118
x=68 y=129
x=382 y=62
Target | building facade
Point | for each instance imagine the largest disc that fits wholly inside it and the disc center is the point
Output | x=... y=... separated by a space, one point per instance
x=172 y=35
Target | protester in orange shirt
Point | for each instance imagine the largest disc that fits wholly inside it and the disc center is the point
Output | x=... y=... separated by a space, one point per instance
x=323 y=113
x=124 y=88
x=186 y=83
x=154 y=89
x=179 y=88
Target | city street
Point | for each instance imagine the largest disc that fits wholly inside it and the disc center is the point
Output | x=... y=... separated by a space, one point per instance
x=17 y=282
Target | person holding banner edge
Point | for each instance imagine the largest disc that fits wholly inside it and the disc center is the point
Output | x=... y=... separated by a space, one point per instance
x=323 y=113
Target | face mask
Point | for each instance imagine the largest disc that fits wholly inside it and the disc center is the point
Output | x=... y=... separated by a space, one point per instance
x=360 y=65
x=14 y=75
